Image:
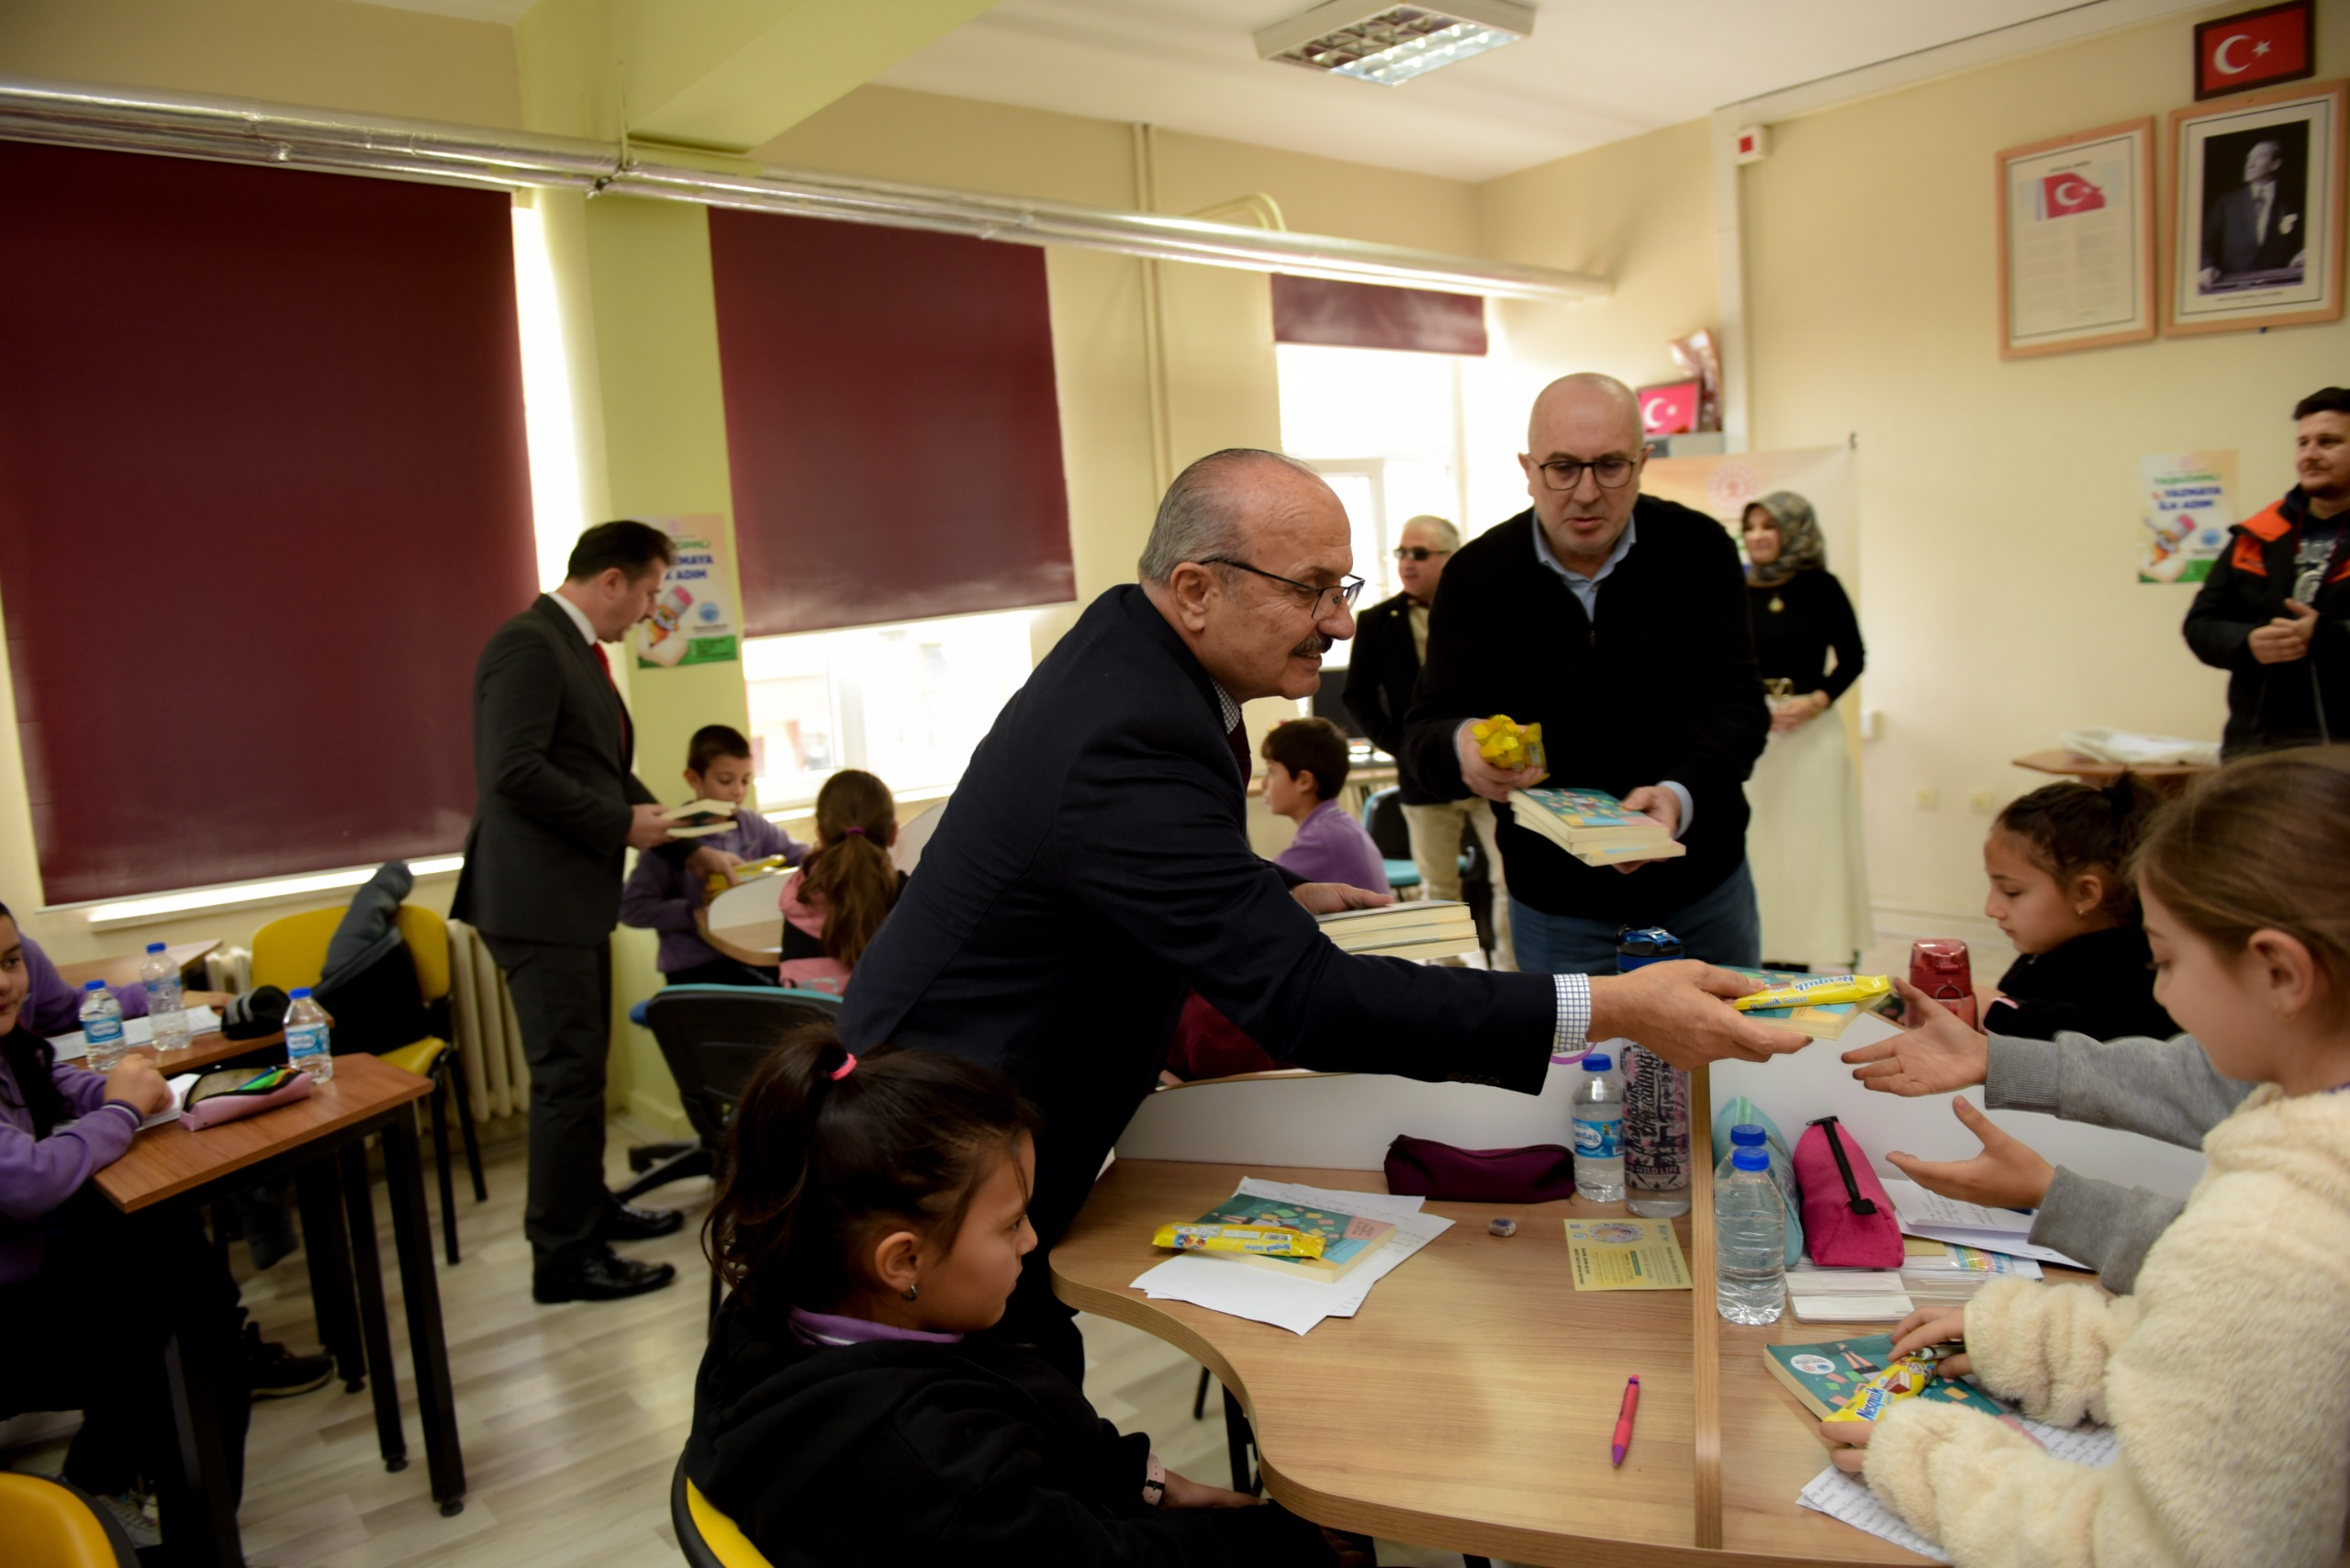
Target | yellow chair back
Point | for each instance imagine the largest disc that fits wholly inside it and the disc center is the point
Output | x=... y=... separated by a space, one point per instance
x=292 y=950
x=48 y=1527
x=427 y=935
x=721 y=1535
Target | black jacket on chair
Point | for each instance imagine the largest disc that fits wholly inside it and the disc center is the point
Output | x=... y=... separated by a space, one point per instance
x=1092 y=868
x=1383 y=668
x=1661 y=686
x=554 y=791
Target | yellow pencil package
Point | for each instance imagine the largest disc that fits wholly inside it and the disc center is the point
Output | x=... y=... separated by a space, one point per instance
x=1820 y=991
x=1265 y=1240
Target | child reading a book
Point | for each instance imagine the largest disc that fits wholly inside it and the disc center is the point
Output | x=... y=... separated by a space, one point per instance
x=2054 y=859
x=834 y=904
x=661 y=896
x=2221 y=1375
x=1306 y=766
x=871 y=1219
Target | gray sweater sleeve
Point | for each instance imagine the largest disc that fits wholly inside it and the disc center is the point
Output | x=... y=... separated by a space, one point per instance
x=2160 y=1089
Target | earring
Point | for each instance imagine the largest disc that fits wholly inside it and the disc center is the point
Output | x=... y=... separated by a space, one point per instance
x=912 y=1292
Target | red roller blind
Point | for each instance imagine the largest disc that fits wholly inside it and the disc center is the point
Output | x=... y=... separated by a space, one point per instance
x=892 y=427
x=264 y=493
x=1371 y=315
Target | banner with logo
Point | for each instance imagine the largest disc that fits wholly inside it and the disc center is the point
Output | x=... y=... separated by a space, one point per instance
x=2076 y=241
x=693 y=619
x=2189 y=507
x=1724 y=486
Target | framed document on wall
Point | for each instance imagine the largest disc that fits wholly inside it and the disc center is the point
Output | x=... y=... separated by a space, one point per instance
x=2252 y=211
x=2076 y=240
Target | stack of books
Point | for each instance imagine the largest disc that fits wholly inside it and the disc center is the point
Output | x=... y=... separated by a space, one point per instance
x=700 y=819
x=1932 y=1273
x=1593 y=825
x=1429 y=928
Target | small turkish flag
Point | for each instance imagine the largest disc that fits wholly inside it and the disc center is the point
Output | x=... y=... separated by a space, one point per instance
x=2253 y=50
x=2061 y=196
x=1669 y=409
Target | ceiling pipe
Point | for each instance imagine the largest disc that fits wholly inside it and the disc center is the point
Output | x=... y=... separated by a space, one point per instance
x=240 y=132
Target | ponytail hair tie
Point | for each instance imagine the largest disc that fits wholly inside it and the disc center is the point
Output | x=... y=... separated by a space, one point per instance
x=857 y=831
x=848 y=1062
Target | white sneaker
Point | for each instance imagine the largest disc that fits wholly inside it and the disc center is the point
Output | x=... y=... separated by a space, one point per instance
x=135 y=1512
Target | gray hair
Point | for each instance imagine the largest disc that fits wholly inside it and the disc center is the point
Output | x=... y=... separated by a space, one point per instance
x=1444 y=529
x=1200 y=515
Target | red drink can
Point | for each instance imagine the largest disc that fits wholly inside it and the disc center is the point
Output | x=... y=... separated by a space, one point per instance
x=1940 y=968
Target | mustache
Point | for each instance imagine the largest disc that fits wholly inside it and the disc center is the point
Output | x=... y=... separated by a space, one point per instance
x=1314 y=646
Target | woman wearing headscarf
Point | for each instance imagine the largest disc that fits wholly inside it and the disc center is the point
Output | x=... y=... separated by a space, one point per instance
x=1810 y=870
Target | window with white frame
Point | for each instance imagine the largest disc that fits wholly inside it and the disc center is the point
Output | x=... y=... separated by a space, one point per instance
x=907 y=703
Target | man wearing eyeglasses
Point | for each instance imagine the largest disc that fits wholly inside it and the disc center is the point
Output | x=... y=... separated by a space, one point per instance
x=1619 y=622
x=1391 y=644
x=1094 y=868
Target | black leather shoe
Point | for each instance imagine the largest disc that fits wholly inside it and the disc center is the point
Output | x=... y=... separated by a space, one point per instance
x=603 y=1276
x=626 y=1222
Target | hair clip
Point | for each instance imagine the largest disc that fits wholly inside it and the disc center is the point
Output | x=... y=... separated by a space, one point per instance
x=848 y=1060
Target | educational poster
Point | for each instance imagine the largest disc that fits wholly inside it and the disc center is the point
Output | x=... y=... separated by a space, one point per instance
x=693 y=619
x=2189 y=505
x=2076 y=240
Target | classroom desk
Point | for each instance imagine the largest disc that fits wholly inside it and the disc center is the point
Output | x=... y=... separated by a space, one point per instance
x=169 y=1165
x=2164 y=778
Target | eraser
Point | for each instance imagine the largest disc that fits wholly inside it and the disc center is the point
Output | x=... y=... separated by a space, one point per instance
x=1502 y=1228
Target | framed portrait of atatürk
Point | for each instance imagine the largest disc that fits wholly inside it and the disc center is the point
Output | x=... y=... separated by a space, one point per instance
x=2252 y=211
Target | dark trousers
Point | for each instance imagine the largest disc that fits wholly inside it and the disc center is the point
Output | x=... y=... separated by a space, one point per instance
x=722 y=971
x=88 y=1332
x=563 y=999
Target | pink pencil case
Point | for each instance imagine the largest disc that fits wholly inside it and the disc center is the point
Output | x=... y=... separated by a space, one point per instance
x=229 y=1106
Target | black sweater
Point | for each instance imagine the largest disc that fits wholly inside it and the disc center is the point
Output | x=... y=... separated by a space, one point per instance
x=2101 y=985
x=899 y=1451
x=1792 y=643
x=1663 y=686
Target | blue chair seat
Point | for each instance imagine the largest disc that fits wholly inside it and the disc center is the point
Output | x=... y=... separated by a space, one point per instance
x=1402 y=874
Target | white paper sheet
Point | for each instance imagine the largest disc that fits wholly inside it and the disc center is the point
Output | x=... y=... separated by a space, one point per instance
x=1296 y=1304
x=1937 y=1219
x=135 y=1030
x=1847 y=1497
x=181 y=1082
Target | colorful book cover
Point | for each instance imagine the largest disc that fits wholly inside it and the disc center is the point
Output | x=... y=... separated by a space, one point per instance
x=1347 y=1240
x=1826 y=1376
x=1821 y=1021
x=1585 y=808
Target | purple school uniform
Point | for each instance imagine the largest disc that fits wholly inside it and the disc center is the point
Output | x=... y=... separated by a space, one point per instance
x=1331 y=846
x=661 y=897
x=53 y=1008
x=38 y=1174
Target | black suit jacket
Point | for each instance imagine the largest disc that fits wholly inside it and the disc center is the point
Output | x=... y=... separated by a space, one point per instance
x=2231 y=244
x=1379 y=675
x=553 y=793
x=1092 y=866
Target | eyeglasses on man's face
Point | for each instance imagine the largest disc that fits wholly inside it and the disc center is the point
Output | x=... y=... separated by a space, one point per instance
x=1416 y=551
x=1327 y=600
x=1613 y=472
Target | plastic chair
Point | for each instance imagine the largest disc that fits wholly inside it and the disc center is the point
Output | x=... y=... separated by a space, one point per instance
x=713 y=1037
x=291 y=951
x=707 y=1537
x=50 y=1524
x=1383 y=818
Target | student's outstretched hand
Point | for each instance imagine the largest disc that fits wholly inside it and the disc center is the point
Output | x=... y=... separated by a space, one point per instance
x=1934 y=1055
x=1329 y=898
x=1183 y=1493
x=1681 y=1011
x=2008 y=1174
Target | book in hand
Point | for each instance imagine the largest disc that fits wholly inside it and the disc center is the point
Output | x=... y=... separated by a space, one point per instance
x=700 y=819
x=1821 y=1021
x=1593 y=825
x=1826 y=1376
x=1348 y=1241
x=1426 y=928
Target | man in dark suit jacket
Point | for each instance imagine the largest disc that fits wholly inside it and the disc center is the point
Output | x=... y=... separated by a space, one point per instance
x=1391 y=642
x=1619 y=622
x=1093 y=867
x=556 y=808
x=2256 y=227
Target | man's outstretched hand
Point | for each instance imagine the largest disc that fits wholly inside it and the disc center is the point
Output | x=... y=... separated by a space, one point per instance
x=1682 y=1011
x=1329 y=898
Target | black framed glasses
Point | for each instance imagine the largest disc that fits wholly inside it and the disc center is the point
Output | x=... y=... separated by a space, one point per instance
x=1613 y=472
x=1325 y=600
x=1416 y=551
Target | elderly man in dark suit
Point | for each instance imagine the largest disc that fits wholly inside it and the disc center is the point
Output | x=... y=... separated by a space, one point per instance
x=556 y=808
x=1093 y=867
x=2257 y=227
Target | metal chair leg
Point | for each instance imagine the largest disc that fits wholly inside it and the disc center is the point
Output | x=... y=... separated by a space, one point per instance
x=1200 y=1397
x=1237 y=1438
x=466 y=1125
x=440 y=1158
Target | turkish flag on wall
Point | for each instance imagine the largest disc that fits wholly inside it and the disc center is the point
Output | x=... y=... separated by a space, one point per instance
x=2254 y=49
x=1669 y=408
x=2061 y=196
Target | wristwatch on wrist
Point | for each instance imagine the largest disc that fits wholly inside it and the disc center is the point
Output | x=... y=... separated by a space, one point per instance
x=1154 y=1481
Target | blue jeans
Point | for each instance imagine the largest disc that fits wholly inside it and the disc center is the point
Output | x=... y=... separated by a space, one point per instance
x=1723 y=926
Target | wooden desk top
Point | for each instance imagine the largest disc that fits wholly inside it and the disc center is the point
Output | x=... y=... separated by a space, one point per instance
x=122 y=969
x=168 y=1160
x=1468 y=1405
x=2169 y=776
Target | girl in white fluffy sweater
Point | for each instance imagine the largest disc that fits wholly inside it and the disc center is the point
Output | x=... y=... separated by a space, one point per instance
x=2226 y=1376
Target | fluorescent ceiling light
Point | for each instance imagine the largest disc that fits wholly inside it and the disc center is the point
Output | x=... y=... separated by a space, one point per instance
x=1391 y=44
x=130 y=912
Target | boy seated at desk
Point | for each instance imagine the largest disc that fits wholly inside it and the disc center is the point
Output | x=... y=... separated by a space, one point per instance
x=663 y=897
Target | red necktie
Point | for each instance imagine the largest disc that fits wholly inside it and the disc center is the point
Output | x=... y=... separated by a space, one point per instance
x=628 y=735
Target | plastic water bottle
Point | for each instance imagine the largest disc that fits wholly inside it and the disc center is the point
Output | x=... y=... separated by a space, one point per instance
x=1750 y=1241
x=1656 y=1100
x=101 y=1026
x=166 y=1008
x=1746 y=1135
x=1599 y=1130
x=307 y=1045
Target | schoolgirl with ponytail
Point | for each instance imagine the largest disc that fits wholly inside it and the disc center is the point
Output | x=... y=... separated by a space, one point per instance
x=871 y=1218
x=2055 y=860
x=835 y=903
